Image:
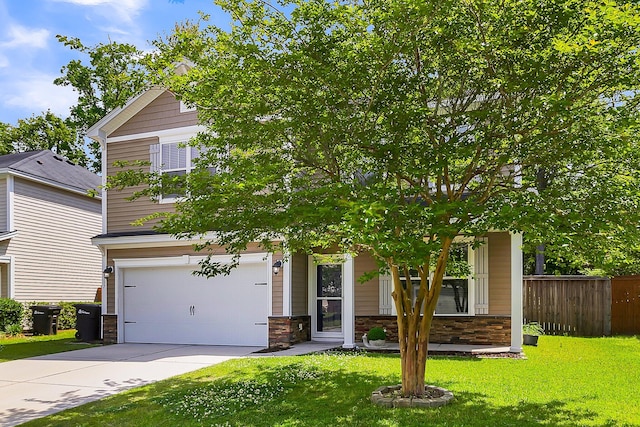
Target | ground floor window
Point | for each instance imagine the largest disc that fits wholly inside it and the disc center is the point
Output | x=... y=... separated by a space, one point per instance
x=465 y=288
x=454 y=296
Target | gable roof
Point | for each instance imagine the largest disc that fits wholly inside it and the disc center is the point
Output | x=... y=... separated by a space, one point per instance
x=51 y=169
x=120 y=115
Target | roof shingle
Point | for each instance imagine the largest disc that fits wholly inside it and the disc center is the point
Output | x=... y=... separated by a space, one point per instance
x=48 y=166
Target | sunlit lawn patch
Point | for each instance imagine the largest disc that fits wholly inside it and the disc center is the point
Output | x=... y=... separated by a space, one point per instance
x=28 y=346
x=564 y=381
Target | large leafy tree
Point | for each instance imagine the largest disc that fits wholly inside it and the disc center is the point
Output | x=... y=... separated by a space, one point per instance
x=113 y=74
x=44 y=132
x=394 y=126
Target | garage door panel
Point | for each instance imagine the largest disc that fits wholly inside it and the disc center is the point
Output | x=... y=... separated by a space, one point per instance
x=197 y=333
x=170 y=305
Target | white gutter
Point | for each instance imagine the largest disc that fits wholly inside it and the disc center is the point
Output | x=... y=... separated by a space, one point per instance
x=147 y=240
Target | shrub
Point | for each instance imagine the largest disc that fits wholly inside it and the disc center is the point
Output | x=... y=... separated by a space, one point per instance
x=376 y=333
x=10 y=313
x=532 y=328
x=66 y=318
x=13 y=329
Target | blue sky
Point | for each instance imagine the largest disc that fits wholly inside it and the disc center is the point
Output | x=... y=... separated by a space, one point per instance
x=31 y=57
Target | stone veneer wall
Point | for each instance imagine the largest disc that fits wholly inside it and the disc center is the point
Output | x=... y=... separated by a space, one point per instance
x=285 y=330
x=109 y=328
x=477 y=330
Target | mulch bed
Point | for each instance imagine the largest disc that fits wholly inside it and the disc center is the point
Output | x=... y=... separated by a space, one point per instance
x=465 y=354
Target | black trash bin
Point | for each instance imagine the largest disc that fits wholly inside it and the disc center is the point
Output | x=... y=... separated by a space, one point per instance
x=45 y=319
x=88 y=322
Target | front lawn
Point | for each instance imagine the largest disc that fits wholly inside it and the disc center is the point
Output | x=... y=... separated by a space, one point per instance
x=564 y=382
x=26 y=346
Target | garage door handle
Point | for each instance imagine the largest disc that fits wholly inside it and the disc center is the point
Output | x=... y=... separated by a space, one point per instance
x=260 y=323
x=129 y=322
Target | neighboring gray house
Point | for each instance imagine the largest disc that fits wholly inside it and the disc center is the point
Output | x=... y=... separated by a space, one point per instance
x=47 y=219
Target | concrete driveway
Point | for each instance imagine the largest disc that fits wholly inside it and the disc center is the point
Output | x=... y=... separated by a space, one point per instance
x=38 y=386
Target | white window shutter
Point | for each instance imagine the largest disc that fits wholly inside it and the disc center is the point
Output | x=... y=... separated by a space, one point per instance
x=385 y=300
x=481 y=275
x=155 y=157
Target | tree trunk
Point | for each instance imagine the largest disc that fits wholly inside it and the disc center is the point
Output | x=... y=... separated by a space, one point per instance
x=414 y=321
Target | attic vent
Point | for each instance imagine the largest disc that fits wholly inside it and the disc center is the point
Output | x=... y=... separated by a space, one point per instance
x=57 y=158
x=38 y=162
x=71 y=163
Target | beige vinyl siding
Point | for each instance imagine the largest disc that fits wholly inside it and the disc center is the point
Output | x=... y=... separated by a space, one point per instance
x=121 y=212
x=4 y=280
x=181 y=248
x=161 y=114
x=499 y=273
x=367 y=293
x=299 y=285
x=276 y=289
x=54 y=259
x=3 y=205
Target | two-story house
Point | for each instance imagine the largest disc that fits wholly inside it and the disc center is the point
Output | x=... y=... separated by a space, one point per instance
x=47 y=219
x=152 y=297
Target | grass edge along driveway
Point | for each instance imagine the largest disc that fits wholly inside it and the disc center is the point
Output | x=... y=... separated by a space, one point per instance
x=21 y=347
x=563 y=382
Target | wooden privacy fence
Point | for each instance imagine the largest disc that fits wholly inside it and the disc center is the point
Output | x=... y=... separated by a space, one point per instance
x=571 y=305
x=625 y=305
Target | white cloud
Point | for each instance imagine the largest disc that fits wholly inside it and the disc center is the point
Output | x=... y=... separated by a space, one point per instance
x=19 y=41
x=19 y=36
x=36 y=93
x=120 y=10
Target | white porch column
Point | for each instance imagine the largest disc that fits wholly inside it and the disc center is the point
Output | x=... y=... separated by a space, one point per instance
x=516 y=293
x=348 y=318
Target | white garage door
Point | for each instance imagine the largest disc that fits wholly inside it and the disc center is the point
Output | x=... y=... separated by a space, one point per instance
x=170 y=305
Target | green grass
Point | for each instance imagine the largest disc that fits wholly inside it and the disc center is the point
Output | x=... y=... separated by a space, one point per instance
x=21 y=347
x=564 y=382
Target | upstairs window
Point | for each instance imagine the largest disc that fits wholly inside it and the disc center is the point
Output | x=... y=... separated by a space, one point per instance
x=174 y=159
x=177 y=159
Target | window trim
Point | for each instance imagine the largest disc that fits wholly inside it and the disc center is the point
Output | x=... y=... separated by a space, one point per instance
x=478 y=278
x=157 y=162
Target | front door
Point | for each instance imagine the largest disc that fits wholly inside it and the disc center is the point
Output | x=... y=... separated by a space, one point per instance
x=327 y=287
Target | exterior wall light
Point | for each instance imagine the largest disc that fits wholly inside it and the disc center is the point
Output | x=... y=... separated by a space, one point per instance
x=107 y=272
x=277 y=266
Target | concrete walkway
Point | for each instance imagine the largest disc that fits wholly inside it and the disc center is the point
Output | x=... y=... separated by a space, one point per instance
x=35 y=387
